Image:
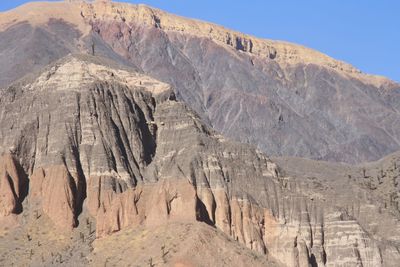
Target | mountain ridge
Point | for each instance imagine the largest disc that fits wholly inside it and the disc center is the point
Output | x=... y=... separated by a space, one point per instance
x=301 y=109
x=281 y=51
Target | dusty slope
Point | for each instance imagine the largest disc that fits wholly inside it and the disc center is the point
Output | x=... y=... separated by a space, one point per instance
x=38 y=243
x=192 y=244
x=112 y=145
x=284 y=98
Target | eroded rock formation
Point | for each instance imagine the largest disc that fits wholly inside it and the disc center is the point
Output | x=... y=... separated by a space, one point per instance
x=116 y=143
x=13 y=185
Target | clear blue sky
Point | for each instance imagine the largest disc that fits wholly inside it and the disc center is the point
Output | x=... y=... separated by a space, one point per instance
x=365 y=33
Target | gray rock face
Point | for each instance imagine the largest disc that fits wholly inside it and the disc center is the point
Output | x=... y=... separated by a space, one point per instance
x=114 y=144
x=302 y=110
x=26 y=48
x=283 y=100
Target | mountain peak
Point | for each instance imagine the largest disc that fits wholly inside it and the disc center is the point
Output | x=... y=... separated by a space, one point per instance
x=75 y=71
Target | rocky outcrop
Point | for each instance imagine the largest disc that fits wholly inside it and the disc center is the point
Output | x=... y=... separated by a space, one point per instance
x=60 y=194
x=361 y=197
x=13 y=186
x=150 y=204
x=103 y=128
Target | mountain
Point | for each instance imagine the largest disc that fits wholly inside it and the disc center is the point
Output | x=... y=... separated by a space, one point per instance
x=285 y=99
x=93 y=148
x=111 y=153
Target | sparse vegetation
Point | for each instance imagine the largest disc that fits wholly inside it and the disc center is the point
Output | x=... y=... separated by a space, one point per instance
x=150 y=262
x=164 y=254
x=82 y=236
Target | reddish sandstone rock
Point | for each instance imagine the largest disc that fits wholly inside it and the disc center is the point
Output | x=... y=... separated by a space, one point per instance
x=8 y=199
x=101 y=191
x=150 y=204
x=170 y=199
x=222 y=211
x=55 y=188
x=13 y=185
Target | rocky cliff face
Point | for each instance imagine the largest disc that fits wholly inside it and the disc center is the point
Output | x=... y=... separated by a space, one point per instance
x=114 y=144
x=363 y=191
x=316 y=107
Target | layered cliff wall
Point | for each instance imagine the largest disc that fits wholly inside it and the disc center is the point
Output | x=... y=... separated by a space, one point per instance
x=116 y=144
